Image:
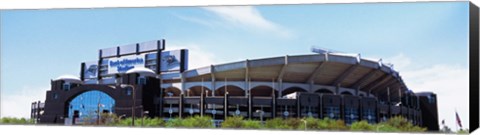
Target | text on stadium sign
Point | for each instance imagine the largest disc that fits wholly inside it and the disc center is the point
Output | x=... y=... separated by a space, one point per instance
x=123 y=64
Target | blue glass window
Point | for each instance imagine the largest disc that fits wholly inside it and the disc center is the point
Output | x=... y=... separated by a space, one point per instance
x=331 y=112
x=351 y=115
x=66 y=86
x=85 y=107
x=55 y=96
x=141 y=81
x=431 y=99
x=128 y=92
x=369 y=115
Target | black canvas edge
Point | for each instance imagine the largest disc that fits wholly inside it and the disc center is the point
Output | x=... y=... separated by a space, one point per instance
x=474 y=66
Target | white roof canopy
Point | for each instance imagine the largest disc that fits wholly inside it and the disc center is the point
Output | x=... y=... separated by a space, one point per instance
x=69 y=78
x=142 y=71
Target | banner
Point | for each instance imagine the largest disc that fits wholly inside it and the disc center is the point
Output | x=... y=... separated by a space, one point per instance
x=90 y=70
x=170 y=60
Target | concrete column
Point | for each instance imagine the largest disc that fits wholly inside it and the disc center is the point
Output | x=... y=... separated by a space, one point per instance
x=247 y=78
x=280 y=87
x=388 y=95
x=212 y=72
x=182 y=79
x=311 y=83
x=337 y=89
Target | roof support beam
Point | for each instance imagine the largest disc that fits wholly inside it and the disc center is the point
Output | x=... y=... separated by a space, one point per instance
x=391 y=84
x=282 y=71
x=212 y=73
x=383 y=85
x=398 y=96
x=393 y=89
x=247 y=77
x=362 y=80
x=315 y=72
x=344 y=75
x=377 y=82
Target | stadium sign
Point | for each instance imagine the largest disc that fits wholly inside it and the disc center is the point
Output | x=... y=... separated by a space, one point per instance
x=123 y=64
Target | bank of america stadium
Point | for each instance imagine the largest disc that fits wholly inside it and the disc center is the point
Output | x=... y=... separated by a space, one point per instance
x=145 y=79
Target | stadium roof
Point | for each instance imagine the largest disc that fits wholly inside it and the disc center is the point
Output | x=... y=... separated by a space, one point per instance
x=334 y=69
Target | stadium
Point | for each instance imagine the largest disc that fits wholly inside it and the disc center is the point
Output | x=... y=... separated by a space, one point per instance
x=146 y=80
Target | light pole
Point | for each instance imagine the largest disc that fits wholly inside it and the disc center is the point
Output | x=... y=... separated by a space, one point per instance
x=305 y=122
x=261 y=115
x=121 y=116
x=379 y=127
x=133 y=98
x=143 y=117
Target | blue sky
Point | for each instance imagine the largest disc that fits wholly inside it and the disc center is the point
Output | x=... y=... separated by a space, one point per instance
x=427 y=42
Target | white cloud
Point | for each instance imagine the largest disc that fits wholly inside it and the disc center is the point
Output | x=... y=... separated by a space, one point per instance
x=241 y=16
x=210 y=24
x=399 y=61
x=18 y=104
x=449 y=81
x=245 y=15
x=198 y=57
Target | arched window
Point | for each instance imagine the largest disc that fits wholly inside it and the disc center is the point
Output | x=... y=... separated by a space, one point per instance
x=171 y=92
x=346 y=93
x=324 y=91
x=231 y=89
x=292 y=90
x=263 y=91
x=197 y=91
x=88 y=105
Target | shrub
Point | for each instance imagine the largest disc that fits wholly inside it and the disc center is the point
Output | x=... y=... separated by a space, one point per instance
x=108 y=119
x=361 y=126
x=148 y=122
x=252 y=124
x=122 y=122
x=280 y=123
x=293 y=123
x=338 y=125
x=331 y=124
x=417 y=129
x=383 y=127
x=203 y=122
x=312 y=123
x=11 y=120
x=233 y=122
x=402 y=124
x=198 y=122
x=323 y=123
x=398 y=124
x=175 y=122
x=462 y=131
x=276 y=123
x=153 y=122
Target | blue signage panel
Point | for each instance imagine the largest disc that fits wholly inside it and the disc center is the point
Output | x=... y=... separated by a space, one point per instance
x=170 y=61
x=90 y=70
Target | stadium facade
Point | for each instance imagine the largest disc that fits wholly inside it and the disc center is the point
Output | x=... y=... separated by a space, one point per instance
x=145 y=80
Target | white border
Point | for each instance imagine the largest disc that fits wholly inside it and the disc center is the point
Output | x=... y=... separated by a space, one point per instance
x=63 y=130
x=79 y=130
x=49 y=4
